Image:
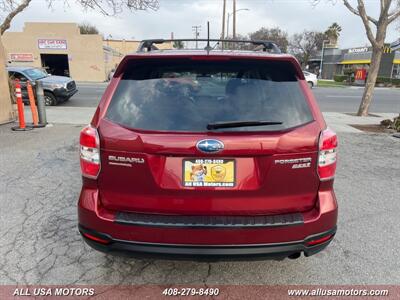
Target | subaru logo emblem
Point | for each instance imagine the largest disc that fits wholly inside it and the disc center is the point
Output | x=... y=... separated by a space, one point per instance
x=210 y=146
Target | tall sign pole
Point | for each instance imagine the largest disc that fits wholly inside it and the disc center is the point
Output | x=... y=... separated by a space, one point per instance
x=234 y=19
x=223 y=20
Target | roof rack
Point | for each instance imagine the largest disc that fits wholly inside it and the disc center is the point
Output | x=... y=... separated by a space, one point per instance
x=149 y=45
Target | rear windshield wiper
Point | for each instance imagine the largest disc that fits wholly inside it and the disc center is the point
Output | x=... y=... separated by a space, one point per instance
x=234 y=124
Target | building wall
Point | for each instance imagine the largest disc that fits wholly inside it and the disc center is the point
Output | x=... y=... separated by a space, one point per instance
x=122 y=46
x=85 y=52
x=5 y=102
x=129 y=46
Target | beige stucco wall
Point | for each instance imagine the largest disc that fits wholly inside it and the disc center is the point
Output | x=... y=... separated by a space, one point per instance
x=122 y=46
x=129 y=46
x=5 y=102
x=85 y=52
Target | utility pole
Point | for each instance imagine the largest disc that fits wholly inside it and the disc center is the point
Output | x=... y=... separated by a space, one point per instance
x=223 y=20
x=234 y=19
x=196 y=29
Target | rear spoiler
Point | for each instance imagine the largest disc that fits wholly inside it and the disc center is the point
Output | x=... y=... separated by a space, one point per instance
x=140 y=56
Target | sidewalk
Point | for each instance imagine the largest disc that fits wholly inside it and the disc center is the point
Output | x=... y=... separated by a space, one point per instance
x=340 y=122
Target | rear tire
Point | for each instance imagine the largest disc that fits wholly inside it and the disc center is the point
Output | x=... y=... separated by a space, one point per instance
x=310 y=84
x=49 y=99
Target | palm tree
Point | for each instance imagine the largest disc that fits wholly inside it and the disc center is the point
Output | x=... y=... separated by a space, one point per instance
x=333 y=33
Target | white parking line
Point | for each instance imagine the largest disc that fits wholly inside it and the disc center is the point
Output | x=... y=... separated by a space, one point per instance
x=339 y=96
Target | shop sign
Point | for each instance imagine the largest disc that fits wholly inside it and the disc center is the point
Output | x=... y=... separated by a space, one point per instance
x=360 y=74
x=52 y=44
x=358 y=50
x=21 y=57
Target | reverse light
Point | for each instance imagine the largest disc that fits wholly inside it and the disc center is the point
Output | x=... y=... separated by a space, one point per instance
x=327 y=156
x=89 y=152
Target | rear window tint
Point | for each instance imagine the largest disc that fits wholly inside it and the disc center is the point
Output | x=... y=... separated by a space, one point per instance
x=186 y=95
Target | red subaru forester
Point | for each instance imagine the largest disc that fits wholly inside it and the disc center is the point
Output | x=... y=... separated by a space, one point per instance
x=213 y=152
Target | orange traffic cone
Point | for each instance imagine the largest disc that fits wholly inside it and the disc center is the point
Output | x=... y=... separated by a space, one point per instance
x=20 y=105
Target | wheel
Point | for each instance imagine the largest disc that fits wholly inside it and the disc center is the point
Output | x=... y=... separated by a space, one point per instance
x=310 y=84
x=49 y=99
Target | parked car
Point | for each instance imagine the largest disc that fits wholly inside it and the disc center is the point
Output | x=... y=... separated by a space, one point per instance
x=57 y=89
x=208 y=153
x=311 y=79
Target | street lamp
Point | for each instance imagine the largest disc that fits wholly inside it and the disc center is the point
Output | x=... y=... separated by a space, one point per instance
x=227 y=21
x=322 y=58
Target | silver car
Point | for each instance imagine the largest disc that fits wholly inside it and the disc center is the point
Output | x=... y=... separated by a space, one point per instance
x=56 y=88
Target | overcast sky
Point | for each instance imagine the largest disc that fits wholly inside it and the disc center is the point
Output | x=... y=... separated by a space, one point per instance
x=178 y=16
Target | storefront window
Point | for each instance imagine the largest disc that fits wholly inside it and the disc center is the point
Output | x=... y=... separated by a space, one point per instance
x=396 y=71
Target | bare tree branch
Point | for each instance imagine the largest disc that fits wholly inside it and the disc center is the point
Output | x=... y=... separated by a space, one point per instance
x=357 y=13
x=7 y=21
x=394 y=15
x=105 y=7
x=364 y=18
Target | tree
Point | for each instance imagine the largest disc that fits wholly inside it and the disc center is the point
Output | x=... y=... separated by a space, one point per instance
x=12 y=8
x=86 y=28
x=386 y=16
x=333 y=33
x=306 y=44
x=389 y=12
x=275 y=34
x=178 y=45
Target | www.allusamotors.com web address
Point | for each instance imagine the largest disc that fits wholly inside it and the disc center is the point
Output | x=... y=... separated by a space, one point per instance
x=338 y=292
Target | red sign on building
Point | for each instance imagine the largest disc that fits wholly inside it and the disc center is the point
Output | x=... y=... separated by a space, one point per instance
x=23 y=57
x=361 y=74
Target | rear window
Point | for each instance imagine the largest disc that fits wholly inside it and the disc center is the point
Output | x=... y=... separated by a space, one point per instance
x=187 y=95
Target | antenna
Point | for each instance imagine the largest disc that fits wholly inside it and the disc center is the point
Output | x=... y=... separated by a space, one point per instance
x=208 y=47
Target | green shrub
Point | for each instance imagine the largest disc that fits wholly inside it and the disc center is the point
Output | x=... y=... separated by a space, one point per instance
x=340 y=78
x=395 y=124
x=384 y=80
x=396 y=81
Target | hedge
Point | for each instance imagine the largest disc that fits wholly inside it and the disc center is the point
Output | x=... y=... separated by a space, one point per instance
x=379 y=80
x=340 y=78
x=384 y=80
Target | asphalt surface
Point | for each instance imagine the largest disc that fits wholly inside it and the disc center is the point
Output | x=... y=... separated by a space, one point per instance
x=335 y=99
x=40 y=244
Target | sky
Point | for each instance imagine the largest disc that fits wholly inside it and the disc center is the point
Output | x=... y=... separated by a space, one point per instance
x=178 y=16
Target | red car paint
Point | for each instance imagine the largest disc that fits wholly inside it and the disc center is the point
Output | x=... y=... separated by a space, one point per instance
x=263 y=186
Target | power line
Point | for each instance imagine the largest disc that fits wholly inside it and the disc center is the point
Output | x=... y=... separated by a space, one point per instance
x=196 y=29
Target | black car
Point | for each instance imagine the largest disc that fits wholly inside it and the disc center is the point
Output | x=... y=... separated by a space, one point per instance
x=57 y=89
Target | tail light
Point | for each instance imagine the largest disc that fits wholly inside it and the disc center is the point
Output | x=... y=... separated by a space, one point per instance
x=327 y=154
x=89 y=152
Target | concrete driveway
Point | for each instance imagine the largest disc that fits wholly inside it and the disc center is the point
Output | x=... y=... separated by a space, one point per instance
x=40 y=244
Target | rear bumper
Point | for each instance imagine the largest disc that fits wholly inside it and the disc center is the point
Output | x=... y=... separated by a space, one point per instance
x=104 y=231
x=178 y=251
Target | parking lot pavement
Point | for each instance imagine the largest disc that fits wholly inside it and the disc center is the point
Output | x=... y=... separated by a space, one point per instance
x=40 y=244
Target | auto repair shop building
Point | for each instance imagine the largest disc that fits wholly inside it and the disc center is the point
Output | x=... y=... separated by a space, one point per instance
x=61 y=50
